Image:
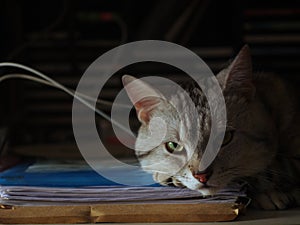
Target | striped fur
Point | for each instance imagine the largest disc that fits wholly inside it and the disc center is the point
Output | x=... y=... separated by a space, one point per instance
x=262 y=112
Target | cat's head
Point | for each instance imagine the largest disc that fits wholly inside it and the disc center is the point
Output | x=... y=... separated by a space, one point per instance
x=248 y=145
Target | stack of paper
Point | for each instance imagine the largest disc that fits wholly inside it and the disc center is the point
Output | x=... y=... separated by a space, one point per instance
x=74 y=182
x=109 y=194
x=71 y=192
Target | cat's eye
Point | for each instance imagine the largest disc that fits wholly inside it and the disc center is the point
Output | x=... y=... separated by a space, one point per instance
x=173 y=147
x=227 y=137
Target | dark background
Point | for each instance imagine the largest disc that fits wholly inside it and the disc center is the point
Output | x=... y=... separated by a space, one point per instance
x=61 y=38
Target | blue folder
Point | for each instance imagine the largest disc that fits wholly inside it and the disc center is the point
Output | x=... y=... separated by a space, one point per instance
x=19 y=176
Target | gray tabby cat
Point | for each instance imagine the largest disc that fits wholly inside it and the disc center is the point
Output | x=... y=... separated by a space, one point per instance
x=261 y=143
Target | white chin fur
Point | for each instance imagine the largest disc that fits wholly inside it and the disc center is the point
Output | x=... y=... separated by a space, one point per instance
x=196 y=186
x=205 y=191
x=191 y=183
x=199 y=188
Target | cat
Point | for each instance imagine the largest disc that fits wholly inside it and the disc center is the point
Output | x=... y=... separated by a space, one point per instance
x=261 y=144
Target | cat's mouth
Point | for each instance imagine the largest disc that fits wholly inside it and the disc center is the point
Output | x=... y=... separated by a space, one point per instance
x=204 y=189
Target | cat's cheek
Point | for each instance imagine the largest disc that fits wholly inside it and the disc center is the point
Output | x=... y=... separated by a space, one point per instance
x=156 y=178
x=161 y=179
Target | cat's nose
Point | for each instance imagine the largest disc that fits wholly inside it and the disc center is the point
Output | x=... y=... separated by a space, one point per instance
x=202 y=176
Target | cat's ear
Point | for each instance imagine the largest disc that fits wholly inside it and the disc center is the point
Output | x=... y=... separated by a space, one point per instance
x=239 y=78
x=144 y=97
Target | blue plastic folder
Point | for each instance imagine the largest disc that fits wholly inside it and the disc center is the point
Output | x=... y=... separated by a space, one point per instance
x=21 y=176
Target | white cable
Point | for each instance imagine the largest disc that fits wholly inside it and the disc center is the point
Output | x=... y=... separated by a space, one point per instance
x=58 y=85
x=42 y=81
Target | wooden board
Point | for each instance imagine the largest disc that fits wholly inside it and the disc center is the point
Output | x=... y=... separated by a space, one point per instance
x=208 y=212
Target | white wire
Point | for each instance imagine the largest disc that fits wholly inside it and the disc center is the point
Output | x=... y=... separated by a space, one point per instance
x=46 y=80
x=42 y=81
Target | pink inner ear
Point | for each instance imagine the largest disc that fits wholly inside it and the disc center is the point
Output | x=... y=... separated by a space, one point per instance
x=144 y=97
x=145 y=106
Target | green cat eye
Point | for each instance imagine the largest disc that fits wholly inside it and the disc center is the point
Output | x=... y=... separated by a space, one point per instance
x=173 y=147
x=227 y=137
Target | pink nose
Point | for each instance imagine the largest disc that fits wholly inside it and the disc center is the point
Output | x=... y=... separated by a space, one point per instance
x=202 y=177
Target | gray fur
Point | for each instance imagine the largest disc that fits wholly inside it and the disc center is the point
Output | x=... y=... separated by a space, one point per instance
x=265 y=149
